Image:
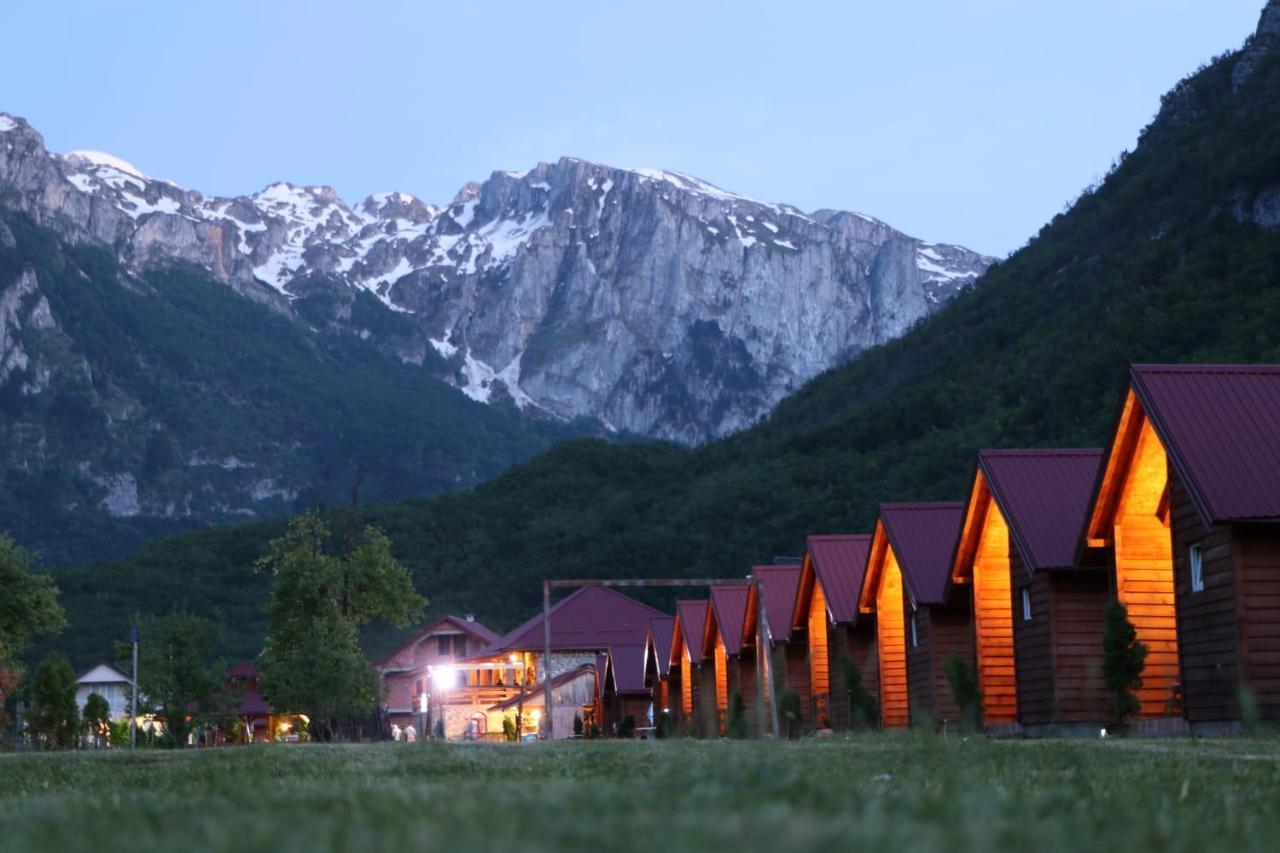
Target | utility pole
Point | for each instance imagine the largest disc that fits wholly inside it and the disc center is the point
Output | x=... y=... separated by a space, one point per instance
x=133 y=697
x=546 y=660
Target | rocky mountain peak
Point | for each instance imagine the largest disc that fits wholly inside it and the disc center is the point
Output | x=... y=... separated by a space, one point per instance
x=650 y=299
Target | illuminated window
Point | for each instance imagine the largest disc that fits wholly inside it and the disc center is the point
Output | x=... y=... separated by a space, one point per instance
x=1026 y=604
x=1197 y=568
x=915 y=636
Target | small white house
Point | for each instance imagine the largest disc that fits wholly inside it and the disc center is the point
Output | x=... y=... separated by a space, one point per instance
x=109 y=683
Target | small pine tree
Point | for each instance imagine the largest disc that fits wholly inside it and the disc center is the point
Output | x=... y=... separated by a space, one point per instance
x=1123 y=659
x=627 y=728
x=97 y=718
x=965 y=690
x=577 y=725
x=862 y=707
x=737 y=723
x=789 y=712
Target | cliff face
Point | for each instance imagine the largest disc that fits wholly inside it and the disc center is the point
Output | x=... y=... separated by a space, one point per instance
x=652 y=301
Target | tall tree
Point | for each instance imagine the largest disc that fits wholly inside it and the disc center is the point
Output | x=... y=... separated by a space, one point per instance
x=54 y=719
x=313 y=662
x=28 y=608
x=175 y=678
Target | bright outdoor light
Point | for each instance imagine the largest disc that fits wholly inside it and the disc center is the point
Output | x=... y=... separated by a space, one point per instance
x=444 y=677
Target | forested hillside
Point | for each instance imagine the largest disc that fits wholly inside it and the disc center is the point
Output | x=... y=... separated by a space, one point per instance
x=1172 y=258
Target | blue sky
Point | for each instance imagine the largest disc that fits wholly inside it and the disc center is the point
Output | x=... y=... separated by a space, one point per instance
x=962 y=122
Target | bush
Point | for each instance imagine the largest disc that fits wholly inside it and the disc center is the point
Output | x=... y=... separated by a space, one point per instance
x=627 y=728
x=509 y=731
x=577 y=725
x=737 y=723
x=1123 y=660
x=863 y=710
x=965 y=690
x=789 y=712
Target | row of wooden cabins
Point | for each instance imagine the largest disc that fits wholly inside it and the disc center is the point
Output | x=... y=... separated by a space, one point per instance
x=1178 y=518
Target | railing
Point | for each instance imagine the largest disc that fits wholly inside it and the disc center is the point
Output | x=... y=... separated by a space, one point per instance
x=477 y=695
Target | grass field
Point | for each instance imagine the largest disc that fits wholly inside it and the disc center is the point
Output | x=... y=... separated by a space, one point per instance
x=896 y=792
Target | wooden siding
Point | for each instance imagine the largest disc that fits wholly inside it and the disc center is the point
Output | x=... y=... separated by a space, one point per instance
x=1077 y=605
x=950 y=633
x=993 y=620
x=819 y=663
x=722 y=677
x=1033 y=644
x=1144 y=571
x=795 y=665
x=1208 y=637
x=858 y=643
x=682 y=676
x=891 y=642
x=1258 y=558
x=922 y=703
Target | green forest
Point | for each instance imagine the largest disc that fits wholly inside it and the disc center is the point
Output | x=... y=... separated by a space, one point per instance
x=1158 y=263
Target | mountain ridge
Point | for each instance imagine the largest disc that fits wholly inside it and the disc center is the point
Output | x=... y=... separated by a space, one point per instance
x=621 y=286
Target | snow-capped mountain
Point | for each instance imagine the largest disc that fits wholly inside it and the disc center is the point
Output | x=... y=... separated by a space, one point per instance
x=650 y=300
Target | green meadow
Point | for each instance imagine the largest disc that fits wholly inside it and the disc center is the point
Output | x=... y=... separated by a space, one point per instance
x=894 y=791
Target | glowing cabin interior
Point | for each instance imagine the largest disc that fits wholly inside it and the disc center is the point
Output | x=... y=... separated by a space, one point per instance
x=722 y=677
x=993 y=614
x=884 y=595
x=819 y=665
x=1132 y=516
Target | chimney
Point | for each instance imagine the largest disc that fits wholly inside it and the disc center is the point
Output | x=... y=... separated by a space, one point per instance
x=471 y=617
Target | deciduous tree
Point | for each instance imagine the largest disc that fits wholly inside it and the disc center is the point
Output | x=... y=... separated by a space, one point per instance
x=28 y=608
x=313 y=662
x=54 y=719
x=97 y=718
x=175 y=676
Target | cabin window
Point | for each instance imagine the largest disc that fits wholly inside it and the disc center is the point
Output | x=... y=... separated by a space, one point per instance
x=1026 y=604
x=915 y=635
x=443 y=645
x=1197 y=568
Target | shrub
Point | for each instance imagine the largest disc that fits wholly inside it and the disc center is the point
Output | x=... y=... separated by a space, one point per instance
x=509 y=731
x=1123 y=659
x=965 y=690
x=863 y=711
x=737 y=723
x=577 y=724
x=627 y=728
x=789 y=712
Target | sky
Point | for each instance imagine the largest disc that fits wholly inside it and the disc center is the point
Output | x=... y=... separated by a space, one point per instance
x=970 y=123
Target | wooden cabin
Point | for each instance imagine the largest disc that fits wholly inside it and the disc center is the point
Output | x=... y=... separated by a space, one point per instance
x=446 y=640
x=625 y=692
x=1188 y=499
x=657 y=669
x=827 y=599
x=695 y=671
x=735 y=664
x=787 y=638
x=1038 y=600
x=920 y=624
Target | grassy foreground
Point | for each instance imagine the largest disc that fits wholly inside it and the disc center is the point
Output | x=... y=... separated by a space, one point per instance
x=901 y=791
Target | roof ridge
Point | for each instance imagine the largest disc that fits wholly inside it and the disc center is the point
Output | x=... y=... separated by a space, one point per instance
x=1041 y=451
x=1206 y=368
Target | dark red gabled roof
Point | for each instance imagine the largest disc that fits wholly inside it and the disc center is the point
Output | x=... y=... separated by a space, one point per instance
x=626 y=665
x=1220 y=426
x=589 y=618
x=840 y=560
x=692 y=616
x=244 y=669
x=661 y=633
x=781 y=584
x=923 y=536
x=729 y=603
x=466 y=626
x=1044 y=497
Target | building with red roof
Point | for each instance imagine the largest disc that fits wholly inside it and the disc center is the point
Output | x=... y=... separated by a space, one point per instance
x=658 y=668
x=692 y=671
x=787 y=635
x=404 y=672
x=827 y=604
x=919 y=624
x=1188 y=501
x=1038 y=599
x=734 y=670
x=472 y=696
